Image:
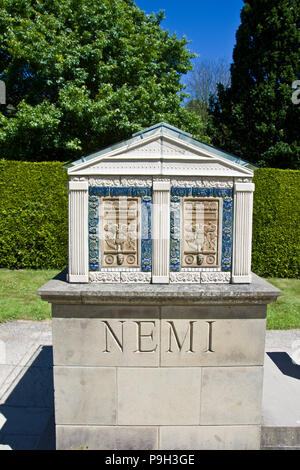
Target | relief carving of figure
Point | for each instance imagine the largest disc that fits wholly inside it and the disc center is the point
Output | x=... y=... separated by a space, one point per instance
x=201 y=236
x=115 y=236
x=120 y=237
x=120 y=232
x=210 y=236
x=201 y=229
x=194 y=236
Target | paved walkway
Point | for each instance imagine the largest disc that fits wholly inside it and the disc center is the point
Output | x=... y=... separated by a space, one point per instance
x=26 y=384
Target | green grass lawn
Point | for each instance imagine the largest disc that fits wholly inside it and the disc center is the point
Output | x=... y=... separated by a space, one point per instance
x=284 y=314
x=18 y=297
x=19 y=300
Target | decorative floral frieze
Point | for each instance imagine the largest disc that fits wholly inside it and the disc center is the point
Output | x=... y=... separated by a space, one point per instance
x=109 y=277
x=202 y=183
x=78 y=178
x=115 y=191
x=146 y=231
x=146 y=255
x=159 y=179
x=135 y=277
x=216 y=277
x=93 y=221
x=227 y=230
x=137 y=182
x=146 y=217
x=175 y=233
x=243 y=180
x=104 y=182
x=185 y=277
x=180 y=192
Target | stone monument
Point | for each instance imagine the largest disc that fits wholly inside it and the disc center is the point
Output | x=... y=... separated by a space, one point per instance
x=159 y=324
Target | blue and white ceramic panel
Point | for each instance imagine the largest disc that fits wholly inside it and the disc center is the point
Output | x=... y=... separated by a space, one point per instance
x=175 y=223
x=95 y=194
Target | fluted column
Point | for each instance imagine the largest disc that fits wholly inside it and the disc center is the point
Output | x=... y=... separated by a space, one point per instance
x=161 y=232
x=242 y=233
x=78 y=232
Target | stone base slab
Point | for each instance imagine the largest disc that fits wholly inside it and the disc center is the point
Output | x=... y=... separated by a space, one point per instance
x=158 y=367
x=157 y=396
x=158 y=438
x=280 y=437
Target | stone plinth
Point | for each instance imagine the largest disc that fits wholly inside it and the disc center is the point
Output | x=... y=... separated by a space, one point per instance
x=158 y=366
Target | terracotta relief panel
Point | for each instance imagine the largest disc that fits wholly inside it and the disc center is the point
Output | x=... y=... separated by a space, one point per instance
x=120 y=232
x=201 y=232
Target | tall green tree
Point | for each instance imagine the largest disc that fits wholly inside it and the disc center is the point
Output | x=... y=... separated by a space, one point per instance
x=255 y=117
x=82 y=74
x=202 y=83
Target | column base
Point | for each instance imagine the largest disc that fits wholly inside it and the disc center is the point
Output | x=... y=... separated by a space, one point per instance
x=78 y=278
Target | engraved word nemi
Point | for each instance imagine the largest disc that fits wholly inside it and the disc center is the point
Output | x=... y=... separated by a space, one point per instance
x=142 y=336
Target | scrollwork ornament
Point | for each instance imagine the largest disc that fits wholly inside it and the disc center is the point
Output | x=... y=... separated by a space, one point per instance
x=215 y=277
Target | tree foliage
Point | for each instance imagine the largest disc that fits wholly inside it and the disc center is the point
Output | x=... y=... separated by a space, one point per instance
x=255 y=117
x=202 y=83
x=81 y=75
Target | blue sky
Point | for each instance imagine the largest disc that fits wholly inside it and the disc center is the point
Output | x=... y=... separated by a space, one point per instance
x=210 y=24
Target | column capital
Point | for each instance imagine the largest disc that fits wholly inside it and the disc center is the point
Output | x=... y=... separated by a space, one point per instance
x=78 y=185
x=161 y=185
x=244 y=187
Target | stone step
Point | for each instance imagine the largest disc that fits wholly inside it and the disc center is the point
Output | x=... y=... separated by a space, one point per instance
x=280 y=437
x=280 y=448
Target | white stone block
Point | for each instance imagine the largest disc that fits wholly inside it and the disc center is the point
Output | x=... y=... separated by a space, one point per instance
x=85 y=395
x=210 y=438
x=106 y=438
x=231 y=395
x=148 y=396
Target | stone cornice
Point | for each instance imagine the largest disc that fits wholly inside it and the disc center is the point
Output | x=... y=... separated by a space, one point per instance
x=58 y=290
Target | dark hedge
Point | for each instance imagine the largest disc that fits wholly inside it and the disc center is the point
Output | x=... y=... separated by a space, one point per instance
x=34 y=212
x=33 y=215
x=276 y=223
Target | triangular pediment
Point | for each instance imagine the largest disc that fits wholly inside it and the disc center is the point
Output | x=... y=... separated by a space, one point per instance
x=161 y=147
x=161 y=152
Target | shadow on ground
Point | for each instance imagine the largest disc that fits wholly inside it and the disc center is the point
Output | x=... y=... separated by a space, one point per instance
x=27 y=416
x=284 y=362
